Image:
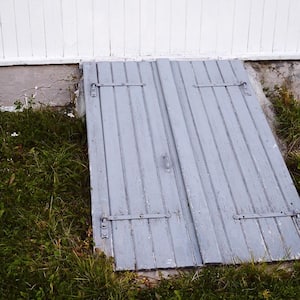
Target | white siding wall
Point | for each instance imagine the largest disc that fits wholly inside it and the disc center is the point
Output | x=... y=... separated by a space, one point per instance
x=45 y=31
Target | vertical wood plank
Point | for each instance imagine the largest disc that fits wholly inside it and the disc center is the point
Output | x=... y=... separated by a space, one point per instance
x=148 y=25
x=281 y=191
x=85 y=28
x=129 y=120
x=9 y=33
x=225 y=27
x=293 y=32
x=178 y=27
x=202 y=219
x=255 y=26
x=23 y=28
x=208 y=39
x=101 y=28
x=97 y=158
x=1 y=40
x=207 y=158
x=53 y=29
x=281 y=26
x=151 y=201
x=132 y=28
x=181 y=231
x=193 y=26
x=241 y=27
x=37 y=28
x=268 y=26
x=117 y=27
x=124 y=251
x=162 y=29
x=69 y=13
x=255 y=194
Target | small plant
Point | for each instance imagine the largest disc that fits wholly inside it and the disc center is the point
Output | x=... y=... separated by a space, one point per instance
x=287 y=112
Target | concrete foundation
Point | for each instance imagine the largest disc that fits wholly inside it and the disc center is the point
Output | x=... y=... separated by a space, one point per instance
x=53 y=85
x=58 y=85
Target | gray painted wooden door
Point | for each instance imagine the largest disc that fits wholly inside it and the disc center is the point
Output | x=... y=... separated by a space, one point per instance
x=184 y=169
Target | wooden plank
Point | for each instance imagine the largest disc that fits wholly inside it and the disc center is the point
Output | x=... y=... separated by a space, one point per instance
x=117 y=27
x=69 y=15
x=53 y=29
x=292 y=37
x=85 y=34
x=220 y=161
x=182 y=229
x=132 y=28
x=136 y=195
x=210 y=164
x=255 y=26
x=101 y=29
x=208 y=39
x=268 y=25
x=9 y=33
x=180 y=239
x=241 y=27
x=279 y=186
x=1 y=40
x=151 y=201
x=201 y=215
x=281 y=26
x=225 y=27
x=124 y=251
x=147 y=19
x=193 y=26
x=192 y=106
x=162 y=29
x=178 y=27
x=37 y=28
x=97 y=161
x=264 y=234
x=23 y=27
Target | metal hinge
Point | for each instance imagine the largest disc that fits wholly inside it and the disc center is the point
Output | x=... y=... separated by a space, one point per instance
x=295 y=214
x=95 y=85
x=242 y=84
x=105 y=220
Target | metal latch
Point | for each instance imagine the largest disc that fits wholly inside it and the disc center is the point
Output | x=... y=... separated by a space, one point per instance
x=112 y=84
x=105 y=220
x=93 y=90
x=295 y=214
x=166 y=162
x=242 y=84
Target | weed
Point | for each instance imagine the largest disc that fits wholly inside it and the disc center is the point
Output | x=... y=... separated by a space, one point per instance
x=45 y=237
x=287 y=111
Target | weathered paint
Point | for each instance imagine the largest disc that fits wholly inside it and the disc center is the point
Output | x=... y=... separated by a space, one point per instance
x=176 y=154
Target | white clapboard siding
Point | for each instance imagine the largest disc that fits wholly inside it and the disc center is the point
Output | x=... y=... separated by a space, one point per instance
x=46 y=31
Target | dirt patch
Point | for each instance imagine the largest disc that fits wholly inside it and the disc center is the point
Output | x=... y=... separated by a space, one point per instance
x=266 y=75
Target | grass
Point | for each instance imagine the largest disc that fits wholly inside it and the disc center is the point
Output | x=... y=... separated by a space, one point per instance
x=46 y=235
x=287 y=112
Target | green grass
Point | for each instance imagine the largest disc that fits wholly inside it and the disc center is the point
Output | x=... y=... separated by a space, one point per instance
x=287 y=112
x=46 y=235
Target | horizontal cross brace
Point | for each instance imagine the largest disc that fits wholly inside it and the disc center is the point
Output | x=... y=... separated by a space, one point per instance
x=116 y=84
x=105 y=220
x=112 y=84
x=136 y=217
x=266 y=215
x=240 y=83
